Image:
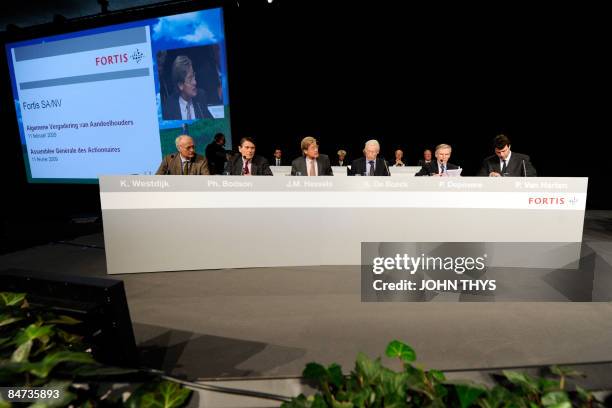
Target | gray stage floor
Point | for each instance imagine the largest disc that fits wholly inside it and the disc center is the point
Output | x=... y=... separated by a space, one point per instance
x=270 y=322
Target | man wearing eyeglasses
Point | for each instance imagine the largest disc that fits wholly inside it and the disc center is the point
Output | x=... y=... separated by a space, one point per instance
x=187 y=102
x=186 y=163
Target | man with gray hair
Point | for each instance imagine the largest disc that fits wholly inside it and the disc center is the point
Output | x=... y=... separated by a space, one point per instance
x=371 y=164
x=186 y=162
x=187 y=102
x=439 y=166
x=341 y=161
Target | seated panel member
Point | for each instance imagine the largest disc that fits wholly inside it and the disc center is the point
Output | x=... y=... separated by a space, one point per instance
x=439 y=166
x=505 y=163
x=277 y=160
x=426 y=158
x=371 y=164
x=187 y=102
x=398 y=161
x=311 y=163
x=341 y=161
x=247 y=163
x=186 y=162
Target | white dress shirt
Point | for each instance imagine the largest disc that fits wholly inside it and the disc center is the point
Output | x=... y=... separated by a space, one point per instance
x=183 y=104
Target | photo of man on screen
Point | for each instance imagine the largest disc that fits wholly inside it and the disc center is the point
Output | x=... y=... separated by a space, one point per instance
x=187 y=101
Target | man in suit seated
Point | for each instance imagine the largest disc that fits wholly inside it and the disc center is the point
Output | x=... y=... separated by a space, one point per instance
x=187 y=102
x=371 y=164
x=505 y=163
x=426 y=158
x=247 y=163
x=398 y=162
x=311 y=163
x=341 y=161
x=277 y=160
x=439 y=166
x=186 y=162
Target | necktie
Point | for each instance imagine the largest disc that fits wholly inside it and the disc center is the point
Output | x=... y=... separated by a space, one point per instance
x=188 y=115
x=371 y=167
x=245 y=171
x=311 y=169
x=442 y=168
x=504 y=167
x=186 y=168
x=278 y=162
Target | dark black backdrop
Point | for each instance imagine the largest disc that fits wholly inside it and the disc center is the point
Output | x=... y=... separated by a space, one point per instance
x=409 y=76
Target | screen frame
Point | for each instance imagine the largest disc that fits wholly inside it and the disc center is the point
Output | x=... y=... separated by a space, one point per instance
x=67 y=27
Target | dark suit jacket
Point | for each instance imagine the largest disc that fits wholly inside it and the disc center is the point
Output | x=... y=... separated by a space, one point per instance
x=259 y=166
x=171 y=164
x=323 y=166
x=422 y=162
x=215 y=154
x=432 y=168
x=273 y=161
x=172 y=107
x=514 y=167
x=359 y=167
x=345 y=163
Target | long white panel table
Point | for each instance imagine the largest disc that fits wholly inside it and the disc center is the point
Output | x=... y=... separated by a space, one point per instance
x=166 y=223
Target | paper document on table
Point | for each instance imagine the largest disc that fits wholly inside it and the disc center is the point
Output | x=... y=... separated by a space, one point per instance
x=453 y=172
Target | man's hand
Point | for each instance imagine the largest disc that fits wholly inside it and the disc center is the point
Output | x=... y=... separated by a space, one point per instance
x=494 y=174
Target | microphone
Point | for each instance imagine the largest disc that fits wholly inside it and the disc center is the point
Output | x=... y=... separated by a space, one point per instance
x=524 y=169
x=386 y=167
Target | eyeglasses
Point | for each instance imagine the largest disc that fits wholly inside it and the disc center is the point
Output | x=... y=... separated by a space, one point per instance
x=190 y=78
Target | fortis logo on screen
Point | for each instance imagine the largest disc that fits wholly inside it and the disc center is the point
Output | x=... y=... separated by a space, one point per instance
x=117 y=59
x=544 y=201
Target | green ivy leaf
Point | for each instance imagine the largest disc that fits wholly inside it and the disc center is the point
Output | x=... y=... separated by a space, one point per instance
x=32 y=332
x=6 y=319
x=522 y=380
x=336 y=404
x=584 y=394
x=44 y=367
x=360 y=397
x=368 y=369
x=164 y=394
x=437 y=375
x=63 y=319
x=66 y=396
x=174 y=394
x=315 y=372
x=298 y=402
x=400 y=350
x=22 y=352
x=12 y=299
x=336 y=377
x=566 y=371
x=553 y=399
x=69 y=338
x=318 y=402
x=546 y=385
x=393 y=385
x=468 y=394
